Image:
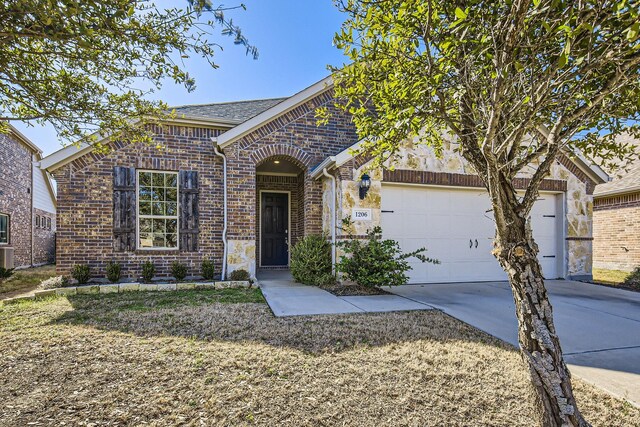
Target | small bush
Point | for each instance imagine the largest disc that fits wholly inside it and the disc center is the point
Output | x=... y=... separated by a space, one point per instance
x=311 y=261
x=375 y=262
x=148 y=271
x=113 y=272
x=633 y=279
x=208 y=270
x=178 y=270
x=5 y=273
x=55 y=282
x=81 y=272
x=240 y=274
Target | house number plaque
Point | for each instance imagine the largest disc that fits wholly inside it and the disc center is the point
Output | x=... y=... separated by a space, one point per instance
x=360 y=214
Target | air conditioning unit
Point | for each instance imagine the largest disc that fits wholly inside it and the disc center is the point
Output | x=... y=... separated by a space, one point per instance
x=6 y=257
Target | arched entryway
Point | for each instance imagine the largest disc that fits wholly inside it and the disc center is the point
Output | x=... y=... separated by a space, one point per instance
x=280 y=201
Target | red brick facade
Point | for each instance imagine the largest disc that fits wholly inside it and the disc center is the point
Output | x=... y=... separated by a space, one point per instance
x=296 y=136
x=616 y=232
x=85 y=187
x=461 y=180
x=85 y=202
x=16 y=201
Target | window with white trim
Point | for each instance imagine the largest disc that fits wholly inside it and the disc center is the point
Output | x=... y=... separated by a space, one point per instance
x=157 y=210
x=4 y=229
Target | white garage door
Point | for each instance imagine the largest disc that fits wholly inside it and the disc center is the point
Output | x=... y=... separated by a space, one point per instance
x=457 y=228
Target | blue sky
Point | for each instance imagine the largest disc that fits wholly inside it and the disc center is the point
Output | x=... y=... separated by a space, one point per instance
x=294 y=39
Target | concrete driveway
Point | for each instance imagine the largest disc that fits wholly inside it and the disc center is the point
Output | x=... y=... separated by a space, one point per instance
x=599 y=327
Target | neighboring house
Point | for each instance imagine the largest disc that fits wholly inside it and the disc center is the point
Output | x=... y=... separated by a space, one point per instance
x=141 y=203
x=616 y=219
x=27 y=203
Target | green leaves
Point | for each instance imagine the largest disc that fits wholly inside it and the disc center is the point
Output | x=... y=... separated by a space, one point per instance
x=429 y=72
x=90 y=66
x=375 y=262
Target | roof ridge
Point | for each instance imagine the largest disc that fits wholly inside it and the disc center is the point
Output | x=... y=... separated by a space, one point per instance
x=282 y=98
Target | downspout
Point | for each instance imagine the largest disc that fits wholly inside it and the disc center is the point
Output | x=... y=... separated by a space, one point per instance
x=333 y=219
x=33 y=195
x=214 y=140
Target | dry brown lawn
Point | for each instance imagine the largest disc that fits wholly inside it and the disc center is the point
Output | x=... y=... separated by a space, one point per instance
x=612 y=277
x=202 y=358
x=25 y=281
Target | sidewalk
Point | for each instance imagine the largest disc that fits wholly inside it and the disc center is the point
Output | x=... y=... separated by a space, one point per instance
x=288 y=298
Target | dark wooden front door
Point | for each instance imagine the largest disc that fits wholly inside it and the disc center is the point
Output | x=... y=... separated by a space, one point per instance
x=275 y=229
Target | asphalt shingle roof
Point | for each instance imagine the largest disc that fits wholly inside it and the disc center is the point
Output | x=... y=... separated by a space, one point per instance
x=239 y=111
x=625 y=179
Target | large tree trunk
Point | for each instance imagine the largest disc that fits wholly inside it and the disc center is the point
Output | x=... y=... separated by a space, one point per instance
x=516 y=251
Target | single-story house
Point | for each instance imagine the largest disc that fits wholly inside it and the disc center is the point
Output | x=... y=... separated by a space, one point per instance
x=27 y=204
x=240 y=182
x=616 y=218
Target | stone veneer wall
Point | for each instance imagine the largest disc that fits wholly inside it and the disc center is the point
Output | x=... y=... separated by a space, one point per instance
x=616 y=232
x=85 y=202
x=15 y=196
x=44 y=250
x=418 y=157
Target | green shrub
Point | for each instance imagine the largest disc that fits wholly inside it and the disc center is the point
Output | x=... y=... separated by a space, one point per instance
x=376 y=262
x=55 y=282
x=82 y=273
x=208 y=269
x=311 y=261
x=148 y=271
x=113 y=271
x=633 y=279
x=178 y=270
x=5 y=273
x=239 y=274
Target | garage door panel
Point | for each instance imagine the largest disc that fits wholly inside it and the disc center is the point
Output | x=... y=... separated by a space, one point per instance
x=438 y=202
x=391 y=226
x=392 y=200
x=414 y=201
x=435 y=226
x=446 y=221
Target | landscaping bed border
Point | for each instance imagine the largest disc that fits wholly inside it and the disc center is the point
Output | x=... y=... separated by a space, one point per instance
x=95 y=289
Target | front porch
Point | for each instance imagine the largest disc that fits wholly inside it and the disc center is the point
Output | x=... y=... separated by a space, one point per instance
x=286 y=205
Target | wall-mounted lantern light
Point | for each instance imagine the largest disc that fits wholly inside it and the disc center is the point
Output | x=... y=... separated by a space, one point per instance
x=365 y=183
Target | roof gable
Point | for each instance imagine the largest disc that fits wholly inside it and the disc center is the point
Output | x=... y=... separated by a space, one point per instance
x=274 y=112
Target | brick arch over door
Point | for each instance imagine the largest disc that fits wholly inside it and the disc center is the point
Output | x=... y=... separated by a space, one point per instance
x=297 y=156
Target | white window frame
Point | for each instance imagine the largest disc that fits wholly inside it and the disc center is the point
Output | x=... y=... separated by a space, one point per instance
x=8 y=229
x=176 y=217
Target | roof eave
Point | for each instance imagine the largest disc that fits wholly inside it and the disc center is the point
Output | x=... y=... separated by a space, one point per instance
x=71 y=152
x=328 y=163
x=617 y=192
x=26 y=141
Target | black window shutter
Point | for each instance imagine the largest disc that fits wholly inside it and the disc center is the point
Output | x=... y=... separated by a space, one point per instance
x=189 y=211
x=124 y=209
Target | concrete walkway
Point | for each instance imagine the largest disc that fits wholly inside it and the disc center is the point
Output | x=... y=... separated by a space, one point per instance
x=599 y=327
x=288 y=298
